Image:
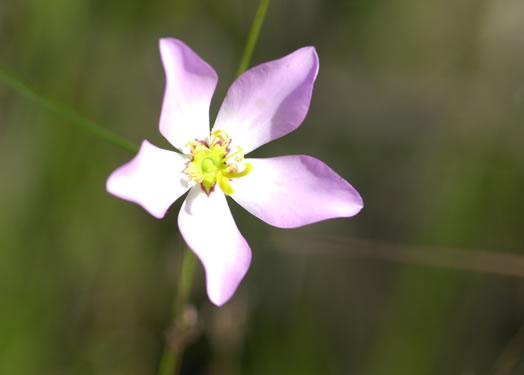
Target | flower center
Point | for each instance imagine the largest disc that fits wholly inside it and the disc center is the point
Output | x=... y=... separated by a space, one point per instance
x=212 y=163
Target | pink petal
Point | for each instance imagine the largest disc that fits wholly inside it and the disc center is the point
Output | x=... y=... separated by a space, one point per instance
x=190 y=83
x=210 y=231
x=295 y=190
x=269 y=100
x=153 y=179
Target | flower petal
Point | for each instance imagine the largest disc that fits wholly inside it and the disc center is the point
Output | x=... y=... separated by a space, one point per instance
x=190 y=83
x=153 y=179
x=210 y=231
x=269 y=100
x=295 y=190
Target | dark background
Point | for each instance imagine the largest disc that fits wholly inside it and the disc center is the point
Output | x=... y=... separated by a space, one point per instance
x=418 y=104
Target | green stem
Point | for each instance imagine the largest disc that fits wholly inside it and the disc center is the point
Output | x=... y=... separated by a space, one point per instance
x=253 y=37
x=173 y=351
x=23 y=88
x=180 y=330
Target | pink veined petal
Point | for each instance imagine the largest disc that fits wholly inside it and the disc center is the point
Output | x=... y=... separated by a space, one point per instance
x=295 y=190
x=190 y=84
x=152 y=179
x=269 y=100
x=210 y=231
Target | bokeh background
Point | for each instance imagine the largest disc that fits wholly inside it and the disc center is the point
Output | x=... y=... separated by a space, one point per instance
x=419 y=104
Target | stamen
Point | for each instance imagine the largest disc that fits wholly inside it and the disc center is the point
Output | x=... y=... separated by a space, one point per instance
x=239 y=155
x=194 y=145
x=224 y=184
x=212 y=163
x=234 y=174
x=222 y=136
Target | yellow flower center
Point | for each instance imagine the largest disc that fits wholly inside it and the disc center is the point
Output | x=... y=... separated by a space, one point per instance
x=212 y=163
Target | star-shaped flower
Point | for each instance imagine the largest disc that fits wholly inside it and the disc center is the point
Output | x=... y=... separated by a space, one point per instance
x=263 y=104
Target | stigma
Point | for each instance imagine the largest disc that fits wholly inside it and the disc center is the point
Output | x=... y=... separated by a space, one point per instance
x=213 y=163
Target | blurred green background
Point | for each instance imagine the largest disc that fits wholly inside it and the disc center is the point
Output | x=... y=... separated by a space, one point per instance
x=418 y=104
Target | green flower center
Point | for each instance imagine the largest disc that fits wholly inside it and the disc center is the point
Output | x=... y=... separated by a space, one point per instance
x=212 y=163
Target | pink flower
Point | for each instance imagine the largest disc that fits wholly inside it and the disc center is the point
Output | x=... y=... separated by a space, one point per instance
x=263 y=104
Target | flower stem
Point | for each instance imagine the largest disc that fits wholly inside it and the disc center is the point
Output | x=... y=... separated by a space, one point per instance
x=181 y=329
x=23 y=88
x=253 y=37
